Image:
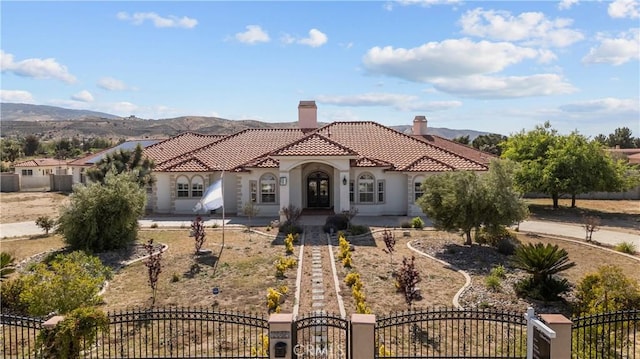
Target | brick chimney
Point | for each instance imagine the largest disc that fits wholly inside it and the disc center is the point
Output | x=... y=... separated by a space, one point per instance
x=419 y=126
x=307 y=114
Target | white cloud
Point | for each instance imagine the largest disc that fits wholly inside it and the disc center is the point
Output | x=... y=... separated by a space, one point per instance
x=16 y=96
x=624 y=9
x=505 y=87
x=111 y=84
x=424 y=3
x=139 y=18
x=36 y=68
x=83 y=96
x=566 y=4
x=607 y=105
x=253 y=35
x=449 y=58
x=615 y=51
x=530 y=27
x=316 y=38
x=397 y=101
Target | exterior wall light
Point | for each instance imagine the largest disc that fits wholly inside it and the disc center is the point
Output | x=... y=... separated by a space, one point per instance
x=344 y=180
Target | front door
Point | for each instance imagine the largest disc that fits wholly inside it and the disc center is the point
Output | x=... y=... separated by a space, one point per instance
x=318 y=190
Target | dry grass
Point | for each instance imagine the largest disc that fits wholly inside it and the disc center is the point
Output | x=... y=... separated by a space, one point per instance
x=605 y=206
x=439 y=284
x=27 y=206
x=24 y=248
x=243 y=273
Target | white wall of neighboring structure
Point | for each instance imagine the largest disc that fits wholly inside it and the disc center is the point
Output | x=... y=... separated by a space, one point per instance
x=37 y=177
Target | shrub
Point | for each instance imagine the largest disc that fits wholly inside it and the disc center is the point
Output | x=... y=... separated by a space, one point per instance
x=198 y=233
x=288 y=243
x=345 y=247
x=70 y=281
x=103 y=217
x=10 y=291
x=606 y=290
x=337 y=222
x=357 y=230
x=46 y=223
x=626 y=247
x=262 y=349
x=275 y=298
x=542 y=262
x=417 y=222
x=406 y=280
x=282 y=264
x=347 y=262
x=291 y=214
x=493 y=282
x=507 y=246
x=7 y=265
x=499 y=271
x=352 y=278
x=406 y=224
x=76 y=332
x=290 y=228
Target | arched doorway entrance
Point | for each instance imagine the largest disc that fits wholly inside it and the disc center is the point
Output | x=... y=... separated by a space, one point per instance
x=318 y=190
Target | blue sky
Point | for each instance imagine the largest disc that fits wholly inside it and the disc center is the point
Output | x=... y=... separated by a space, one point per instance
x=499 y=66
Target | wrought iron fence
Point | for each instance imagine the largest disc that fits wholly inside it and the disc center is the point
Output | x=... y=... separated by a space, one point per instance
x=19 y=335
x=451 y=333
x=321 y=335
x=155 y=333
x=607 y=335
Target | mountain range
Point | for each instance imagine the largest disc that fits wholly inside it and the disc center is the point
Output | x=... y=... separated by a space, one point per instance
x=51 y=122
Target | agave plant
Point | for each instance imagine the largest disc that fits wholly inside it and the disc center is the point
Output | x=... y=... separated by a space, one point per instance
x=6 y=265
x=542 y=261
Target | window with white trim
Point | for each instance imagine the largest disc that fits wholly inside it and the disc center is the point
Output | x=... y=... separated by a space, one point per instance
x=268 y=188
x=418 y=191
x=352 y=191
x=381 y=191
x=253 y=190
x=27 y=172
x=366 y=188
x=182 y=187
x=197 y=186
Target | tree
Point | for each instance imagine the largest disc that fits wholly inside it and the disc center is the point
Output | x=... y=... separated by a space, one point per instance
x=124 y=161
x=390 y=243
x=621 y=137
x=31 y=145
x=11 y=150
x=198 y=233
x=462 y=139
x=489 y=143
x=46 y=223
x=251 y=210
x=463 y=201
x=556 y=165
x=68 y=282
x=542 y=262
x=606 y=290
x=154 y=268
x=103 y=217
x=454 y=201
x=590 y=224
x=76 y=332
x=63 y=149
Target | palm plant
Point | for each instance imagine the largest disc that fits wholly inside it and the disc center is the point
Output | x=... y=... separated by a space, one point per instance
x=6 y=265
x=542 y=262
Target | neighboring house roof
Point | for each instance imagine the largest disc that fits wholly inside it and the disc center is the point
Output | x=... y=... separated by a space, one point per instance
x=367 y=144
x=94 y=158
x=41 y=162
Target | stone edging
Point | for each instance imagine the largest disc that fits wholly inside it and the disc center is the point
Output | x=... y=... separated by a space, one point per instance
x=296 y=306
x=336 y=282
x=467 y=284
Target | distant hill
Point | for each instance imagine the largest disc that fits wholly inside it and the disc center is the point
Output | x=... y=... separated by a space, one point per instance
x=55 y=122
x=27 y=112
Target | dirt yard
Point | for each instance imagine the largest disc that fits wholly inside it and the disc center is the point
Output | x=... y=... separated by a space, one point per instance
x=27 y=206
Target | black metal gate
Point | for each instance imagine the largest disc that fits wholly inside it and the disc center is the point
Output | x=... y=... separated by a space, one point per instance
x=321 y=335
x=607 y=335
x=451 y=333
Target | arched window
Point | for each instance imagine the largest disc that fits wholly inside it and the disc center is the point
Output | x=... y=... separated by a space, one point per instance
x=182 y=187
x=268 y=188
x=197 y=186
x=366 y=183
x=418 y=191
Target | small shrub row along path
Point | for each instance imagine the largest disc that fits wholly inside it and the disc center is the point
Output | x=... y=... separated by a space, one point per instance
x=317 y=282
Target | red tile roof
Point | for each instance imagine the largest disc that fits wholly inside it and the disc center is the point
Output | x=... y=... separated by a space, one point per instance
x=40 y=162
x=374 y=145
